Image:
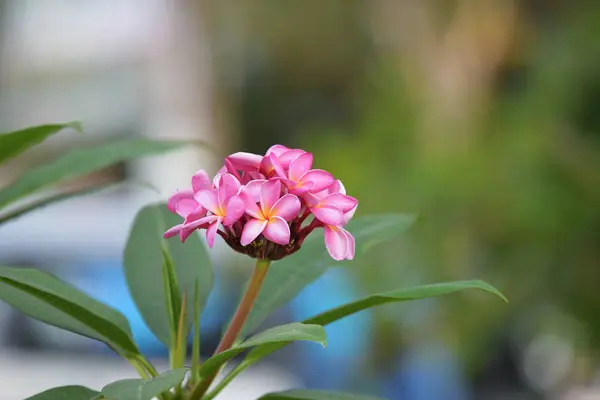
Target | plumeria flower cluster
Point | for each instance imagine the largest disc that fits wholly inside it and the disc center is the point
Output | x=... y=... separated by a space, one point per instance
x=265 y=206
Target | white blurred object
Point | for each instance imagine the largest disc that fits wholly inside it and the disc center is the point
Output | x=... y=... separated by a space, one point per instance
x=547 y=361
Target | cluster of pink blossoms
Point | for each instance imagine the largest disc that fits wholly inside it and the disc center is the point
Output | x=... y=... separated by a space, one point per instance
x=266 y=206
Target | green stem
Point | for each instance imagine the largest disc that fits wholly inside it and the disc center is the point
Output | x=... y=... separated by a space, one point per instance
x=237 y=322
x=196 y=339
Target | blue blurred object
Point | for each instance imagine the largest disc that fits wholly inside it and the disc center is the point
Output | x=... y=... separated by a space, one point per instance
x=428 y=371
x=347 y=339
x=105 y=281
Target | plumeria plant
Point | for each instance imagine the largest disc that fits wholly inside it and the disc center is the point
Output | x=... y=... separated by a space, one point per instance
x=293 y=220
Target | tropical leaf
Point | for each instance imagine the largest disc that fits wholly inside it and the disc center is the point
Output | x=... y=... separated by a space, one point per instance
x=81 y=162
x=283 y=333
x=44 y=297
x=149 y=259
x=66 y=393
x=14 y=143
x=141 y=389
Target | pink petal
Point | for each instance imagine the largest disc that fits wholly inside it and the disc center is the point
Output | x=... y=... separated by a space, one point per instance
x=300 y=188
x=348 y=216
x=187 y=229
x=336 y=242
x=286 y=207
x=311 y=199
x=343 y=202
x=277 y=149
x=321 y=179
x=277 y=231
x=176 y=197
x=234 y=209
x=211 y=232
x=337 y=187
x=270 y=165
x=173 y=231
x=228 y=186
x=245 y=161
x=270 y=191
x=286 y=158
x=300 y=166
x=350 y=247
x=198 y=213
x=185 y=207
x=200 y=181
x=253 y=189
x=208 y=199
x=329 y=215
x=252 y=229
x=229 y=168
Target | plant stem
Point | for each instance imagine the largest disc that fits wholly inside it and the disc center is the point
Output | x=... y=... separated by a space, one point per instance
x=237 y=323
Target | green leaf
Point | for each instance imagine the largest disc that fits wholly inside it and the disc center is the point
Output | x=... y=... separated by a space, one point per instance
x=50 y=200
x=144 y=268
x=140 y=389
x=44 y=297
x=81 y=162
x=284 y=333
x=289 y=276
x=66 y=393
x=394 y=296
x=315 y=395
x=14 y=143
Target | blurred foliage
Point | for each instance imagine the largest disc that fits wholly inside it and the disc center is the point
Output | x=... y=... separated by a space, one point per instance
x=478 y=115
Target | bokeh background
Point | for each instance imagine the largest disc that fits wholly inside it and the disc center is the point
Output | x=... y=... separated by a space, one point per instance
x=480 y=116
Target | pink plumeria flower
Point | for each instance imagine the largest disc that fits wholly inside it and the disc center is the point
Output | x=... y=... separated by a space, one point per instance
x=300 y=178
x=271 y=218
x=329 y=206
x=184 y=203
x=224 y=205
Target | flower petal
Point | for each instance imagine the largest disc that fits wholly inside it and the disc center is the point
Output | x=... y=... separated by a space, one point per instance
x=277 y=231
x=350 y=246
x=270 y=165
x=177 y=196
x=201 y=181
x=252 y=208
x=228 y=186
x=286 y=207
x=270 y=191
x=185 y=207
x=277 y=149
x=234 y=209
x=252 y=229
x=286 y=158
x=343 y=202
x=348 y=216
x=187 y=229
x=321 y=179
x=300 y=188
x=211 y=232
x=299 y=166
x=336 y=242
x=173 y=231
x=329 y=215
x=337 y=187
x=253 y=189
x=208 y=199
x=245 y=161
